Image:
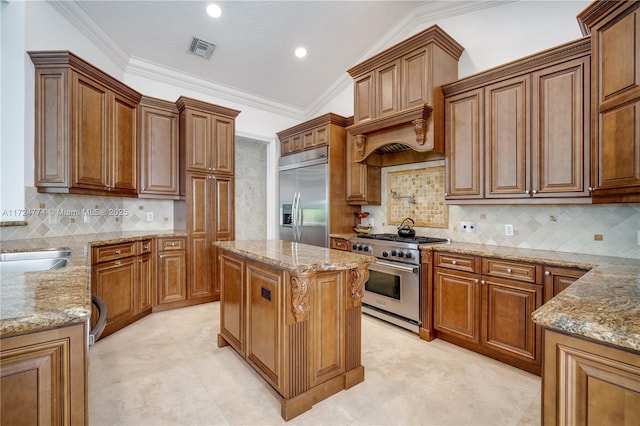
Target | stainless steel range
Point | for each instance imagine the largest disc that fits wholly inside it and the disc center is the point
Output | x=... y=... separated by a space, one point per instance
x=392 y=292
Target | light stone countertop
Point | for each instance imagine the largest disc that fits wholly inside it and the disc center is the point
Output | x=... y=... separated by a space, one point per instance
x=603 y=305
x=41 y=300
x=295 y=257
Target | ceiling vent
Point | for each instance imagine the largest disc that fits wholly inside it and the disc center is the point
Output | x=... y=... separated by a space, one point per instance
x=202 y=48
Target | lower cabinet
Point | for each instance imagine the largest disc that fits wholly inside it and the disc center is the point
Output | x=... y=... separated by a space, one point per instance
x=171 y=273
x=557 y=279
x=587 y=383
x=486 y=304
x=43 y=377
x=122 y=276
x=339 y=244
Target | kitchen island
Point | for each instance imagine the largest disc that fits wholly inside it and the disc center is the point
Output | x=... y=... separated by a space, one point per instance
x=292 y=311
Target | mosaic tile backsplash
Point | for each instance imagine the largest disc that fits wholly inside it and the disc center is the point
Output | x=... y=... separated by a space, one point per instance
x=56 y=215
x=565 y=228
x=418 y=194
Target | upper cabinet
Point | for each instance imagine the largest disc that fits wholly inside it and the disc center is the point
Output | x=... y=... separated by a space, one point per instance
x=615 y=42
x=208 y=132
x=159 y=149
x=520 y=132
x=324 y=130
x=86 y=128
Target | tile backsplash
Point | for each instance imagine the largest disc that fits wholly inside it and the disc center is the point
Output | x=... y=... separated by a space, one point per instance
x=565 y=228
x=56 y=215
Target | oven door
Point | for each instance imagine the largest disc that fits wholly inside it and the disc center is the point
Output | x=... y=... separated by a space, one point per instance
x=394 y=288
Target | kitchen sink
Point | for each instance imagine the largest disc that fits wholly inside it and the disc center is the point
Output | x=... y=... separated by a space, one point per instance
x=31 y=261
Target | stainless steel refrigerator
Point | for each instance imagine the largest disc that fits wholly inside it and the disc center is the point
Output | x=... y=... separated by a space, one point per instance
x=303 y=197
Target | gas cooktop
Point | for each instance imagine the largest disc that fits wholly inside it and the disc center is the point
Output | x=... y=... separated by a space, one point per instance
x=394 y=237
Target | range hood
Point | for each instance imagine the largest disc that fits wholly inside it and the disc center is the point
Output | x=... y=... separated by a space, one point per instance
x=398 y=103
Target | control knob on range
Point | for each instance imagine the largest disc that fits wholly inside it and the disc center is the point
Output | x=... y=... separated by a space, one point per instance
x=394 y=253
x=385 y=253
x=408 y=255
x=366 y=248
x=401 y=254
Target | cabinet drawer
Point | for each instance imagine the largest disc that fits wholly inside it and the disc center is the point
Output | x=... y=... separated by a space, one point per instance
x=165 y=244
x=458 y=262
x=144 y=246
x=113 y=252
x=339 y=244
x=513 y=270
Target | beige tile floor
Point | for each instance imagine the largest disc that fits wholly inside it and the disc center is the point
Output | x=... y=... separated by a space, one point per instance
x=166 y=369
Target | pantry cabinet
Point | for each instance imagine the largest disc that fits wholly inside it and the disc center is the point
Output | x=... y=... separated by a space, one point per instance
x=86 y=128
x=485 y=305
x=207 y=135
x=520 y=133
x=159 y=149
x=614 y=28
x=122 y=276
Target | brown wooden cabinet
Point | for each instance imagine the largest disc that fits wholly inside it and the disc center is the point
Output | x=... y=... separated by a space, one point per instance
x=299 y=331
x=339 y=244
x=86 y=128
x=615 y=34
x=122 y=276
x=557 y=279
x=171 y=273
x=207 y=137
x=485 y=305
x=43 y=377
x=159 y=150
x=588 y=383
x=519 y=133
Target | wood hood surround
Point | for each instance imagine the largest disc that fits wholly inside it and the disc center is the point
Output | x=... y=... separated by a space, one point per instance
x=398 y=107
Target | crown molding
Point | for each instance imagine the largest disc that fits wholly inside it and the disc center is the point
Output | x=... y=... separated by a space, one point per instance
x=159 y=73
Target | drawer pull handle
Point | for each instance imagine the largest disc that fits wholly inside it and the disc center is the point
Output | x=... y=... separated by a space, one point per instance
x=509 y=270
x=454 y=262
x=118 y=251
x=118 y=262
x=547 y=273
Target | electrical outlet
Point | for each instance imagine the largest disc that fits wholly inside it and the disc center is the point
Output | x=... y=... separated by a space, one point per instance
x=149 y=216
x=508 y=230
x=467 y=226
x=597 y=237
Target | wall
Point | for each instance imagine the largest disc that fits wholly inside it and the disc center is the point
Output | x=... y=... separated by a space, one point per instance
x=251 y=190
x=568 y=228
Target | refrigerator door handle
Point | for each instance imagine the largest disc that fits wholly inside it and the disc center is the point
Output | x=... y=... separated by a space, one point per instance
x=299 y=217
x=294 y=208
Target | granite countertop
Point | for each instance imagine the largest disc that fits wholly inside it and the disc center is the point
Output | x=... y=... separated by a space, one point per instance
x=603 y=305
x=296 y=257
x=36 y=301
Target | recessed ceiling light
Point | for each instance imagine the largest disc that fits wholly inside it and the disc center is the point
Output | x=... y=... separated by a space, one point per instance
x=214 y=10
x=301 y=52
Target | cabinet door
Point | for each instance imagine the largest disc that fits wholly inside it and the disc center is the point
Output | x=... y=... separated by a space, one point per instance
x=197 y=133
x=456 y=304
x=145 y=283
x=615 y=48
x=232 y=300
x=388 y=89
x=43 y=377
x=321 y=136
x=124 y=146
x=172 y=276
x=558 y=279
x=199 y=223
x=363 y=180
x=416 y=76
x=507 y=138
x=223 y=196
x=296 y=143
x=264 y=315
x=115 y=284
x=464 y=133
x=507 y=326
x=560 y=132
x=364 y=98
x=159 y=156
x=308 y=139
x=90 y=129
x=223 y=150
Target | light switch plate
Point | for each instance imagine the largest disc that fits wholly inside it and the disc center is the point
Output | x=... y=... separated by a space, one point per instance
x=508 y=230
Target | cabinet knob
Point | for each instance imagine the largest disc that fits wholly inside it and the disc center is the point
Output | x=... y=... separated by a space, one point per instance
x=454 y=262
x=118 y=262
x=509 y=270
x=139 y=260
x=547 y=273
x=446 y=194
x=173 y=244
x=476 y=281
x=535 y=191
x=118 y=251
x=592 y=188
x=482 y=282
x=527 y=191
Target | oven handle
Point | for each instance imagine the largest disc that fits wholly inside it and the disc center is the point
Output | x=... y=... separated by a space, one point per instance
x=412 y=269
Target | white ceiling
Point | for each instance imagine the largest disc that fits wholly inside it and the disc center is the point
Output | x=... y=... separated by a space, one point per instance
x=255 y=40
